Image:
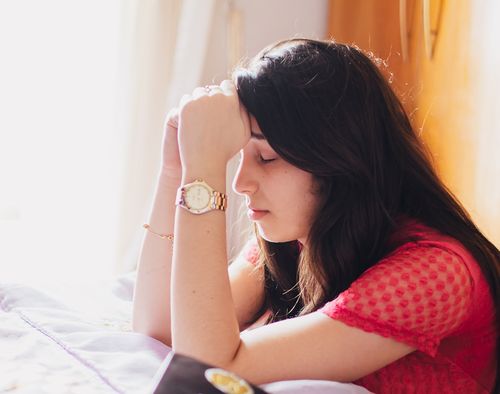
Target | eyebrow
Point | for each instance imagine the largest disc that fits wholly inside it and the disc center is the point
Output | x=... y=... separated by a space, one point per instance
x=257 y=136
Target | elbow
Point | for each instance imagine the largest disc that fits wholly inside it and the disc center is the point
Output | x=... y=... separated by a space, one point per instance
x=233 y=362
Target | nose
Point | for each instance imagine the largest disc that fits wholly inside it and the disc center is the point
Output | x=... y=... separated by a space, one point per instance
x=244 y=182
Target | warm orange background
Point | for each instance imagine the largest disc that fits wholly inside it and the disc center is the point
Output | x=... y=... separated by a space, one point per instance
x=441 y=93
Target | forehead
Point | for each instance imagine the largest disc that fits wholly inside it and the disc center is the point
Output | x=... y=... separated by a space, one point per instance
x=256 y=132
x=254 y=125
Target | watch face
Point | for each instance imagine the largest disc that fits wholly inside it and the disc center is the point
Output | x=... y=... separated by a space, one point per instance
x=197 y=197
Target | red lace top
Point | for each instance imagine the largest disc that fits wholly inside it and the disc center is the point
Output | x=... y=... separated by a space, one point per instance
x=431 y=295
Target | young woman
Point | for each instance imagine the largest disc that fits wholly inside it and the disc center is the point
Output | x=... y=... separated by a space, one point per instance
x=366 y=269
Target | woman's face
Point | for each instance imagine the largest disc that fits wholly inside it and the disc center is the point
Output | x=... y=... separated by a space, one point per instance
x=279 y=195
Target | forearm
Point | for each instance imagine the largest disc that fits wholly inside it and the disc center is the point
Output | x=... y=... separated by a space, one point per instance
x=204 y=323
x=151 y=307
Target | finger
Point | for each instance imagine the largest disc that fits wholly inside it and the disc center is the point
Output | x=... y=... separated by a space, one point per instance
x=172 y=118
x=209 y=90
x=213 y=89
x=227 y=86
x=199 y=91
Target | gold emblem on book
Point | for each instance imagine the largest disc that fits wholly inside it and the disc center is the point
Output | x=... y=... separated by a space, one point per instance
x=227 y=382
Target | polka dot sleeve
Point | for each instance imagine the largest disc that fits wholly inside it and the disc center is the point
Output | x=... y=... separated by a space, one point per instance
x=417 y=295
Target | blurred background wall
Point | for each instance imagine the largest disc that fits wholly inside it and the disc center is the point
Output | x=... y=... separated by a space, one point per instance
x=445 y=57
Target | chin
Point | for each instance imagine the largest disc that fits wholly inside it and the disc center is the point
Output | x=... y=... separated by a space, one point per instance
x=275 y=236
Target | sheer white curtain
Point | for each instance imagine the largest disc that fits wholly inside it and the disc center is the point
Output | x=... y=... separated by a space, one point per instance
x=183 y=46
x=85 y=88
x=175 y=64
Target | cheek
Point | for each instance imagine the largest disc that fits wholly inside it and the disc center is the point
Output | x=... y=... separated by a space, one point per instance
x=297 y=198
x=310 y=204
x=305 y=207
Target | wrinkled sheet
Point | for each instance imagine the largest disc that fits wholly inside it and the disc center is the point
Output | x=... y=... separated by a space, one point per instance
x=77 y=338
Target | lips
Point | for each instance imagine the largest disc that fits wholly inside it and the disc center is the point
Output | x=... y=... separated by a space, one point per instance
x=255 y=209
x=256 y=214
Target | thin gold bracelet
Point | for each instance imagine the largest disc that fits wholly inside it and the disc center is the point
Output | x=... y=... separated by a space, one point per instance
x=170 y=237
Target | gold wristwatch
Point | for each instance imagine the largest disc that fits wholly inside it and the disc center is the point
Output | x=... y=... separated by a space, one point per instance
x=198 y=197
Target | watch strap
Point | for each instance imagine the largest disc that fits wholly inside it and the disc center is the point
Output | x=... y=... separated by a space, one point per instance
x=219 y=201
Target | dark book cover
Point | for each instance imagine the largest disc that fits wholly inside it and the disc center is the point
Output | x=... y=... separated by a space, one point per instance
x=181 y=374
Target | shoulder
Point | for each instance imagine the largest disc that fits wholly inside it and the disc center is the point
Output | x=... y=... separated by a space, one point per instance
x=418 y=269
x=419 y=294
x=425 y=237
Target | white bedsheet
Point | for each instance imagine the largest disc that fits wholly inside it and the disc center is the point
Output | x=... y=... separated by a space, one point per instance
x=77 y=338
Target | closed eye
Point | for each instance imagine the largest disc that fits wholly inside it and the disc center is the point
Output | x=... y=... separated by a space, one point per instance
x=263 y=160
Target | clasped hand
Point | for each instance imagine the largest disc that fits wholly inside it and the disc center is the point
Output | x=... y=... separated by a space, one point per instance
x=208 y=128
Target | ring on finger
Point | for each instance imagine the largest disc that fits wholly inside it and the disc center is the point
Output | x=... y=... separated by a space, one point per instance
x=209 y=88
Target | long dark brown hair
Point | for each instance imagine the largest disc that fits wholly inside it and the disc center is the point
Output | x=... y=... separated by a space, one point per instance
x=327 y=109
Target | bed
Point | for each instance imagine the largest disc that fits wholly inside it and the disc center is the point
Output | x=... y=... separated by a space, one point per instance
x=77 y=338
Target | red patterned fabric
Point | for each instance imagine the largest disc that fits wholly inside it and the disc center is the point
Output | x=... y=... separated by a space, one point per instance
x=251 y=251
x=418 y=295
x=431 y=295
